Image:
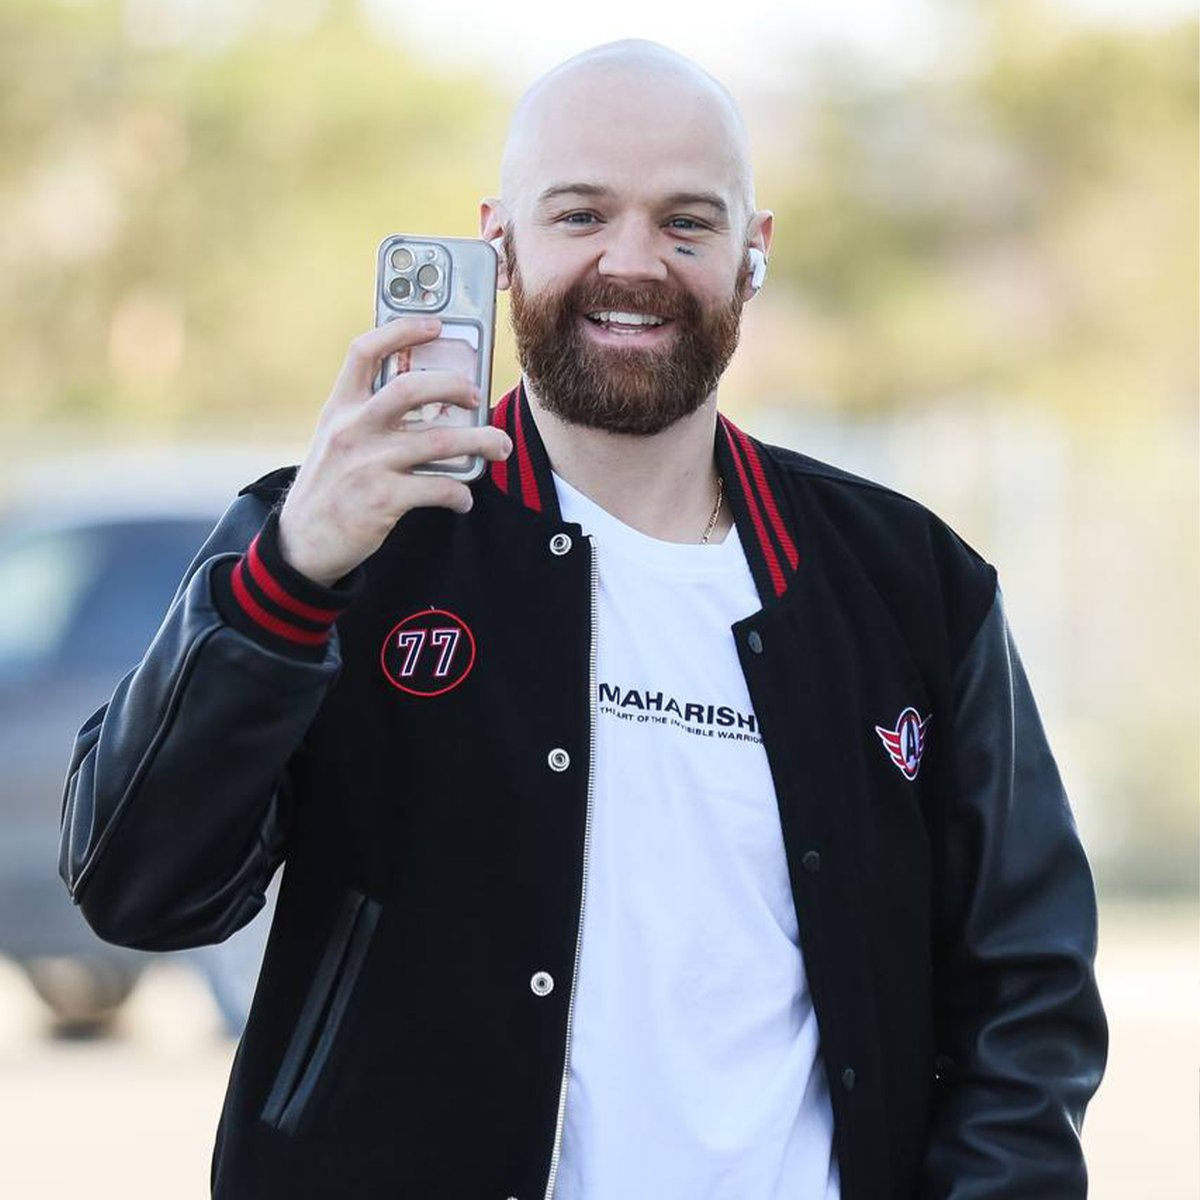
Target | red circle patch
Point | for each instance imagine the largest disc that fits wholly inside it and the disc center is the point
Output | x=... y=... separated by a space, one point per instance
x=428 y=653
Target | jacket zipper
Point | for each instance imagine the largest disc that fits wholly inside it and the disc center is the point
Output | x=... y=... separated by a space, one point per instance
x=587 y=841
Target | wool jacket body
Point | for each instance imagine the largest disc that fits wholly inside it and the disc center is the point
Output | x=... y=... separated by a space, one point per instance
x=415 y=743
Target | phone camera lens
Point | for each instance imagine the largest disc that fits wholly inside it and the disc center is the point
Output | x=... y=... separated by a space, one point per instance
x=429 y=276
x=400 y=289
x=402 y=258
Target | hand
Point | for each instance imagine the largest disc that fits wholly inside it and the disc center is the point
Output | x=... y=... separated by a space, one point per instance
x=356 y=480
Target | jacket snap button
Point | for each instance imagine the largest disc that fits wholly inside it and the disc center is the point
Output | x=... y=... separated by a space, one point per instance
x=542 y=983
x=812 y=864
x=558 y=759
x=754 y=641
x=560 y=543
x=848 y=1079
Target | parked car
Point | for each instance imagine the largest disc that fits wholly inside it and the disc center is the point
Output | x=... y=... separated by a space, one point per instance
x=88 y=566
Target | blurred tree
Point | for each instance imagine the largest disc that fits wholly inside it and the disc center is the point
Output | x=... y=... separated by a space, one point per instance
x=1024 y=224
x=188 y=232
x=188 y=227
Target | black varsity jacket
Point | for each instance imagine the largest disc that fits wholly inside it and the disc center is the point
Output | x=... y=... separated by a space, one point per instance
x=415 y=742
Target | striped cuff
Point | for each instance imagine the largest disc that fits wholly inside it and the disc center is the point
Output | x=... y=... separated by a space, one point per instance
x=272 y=602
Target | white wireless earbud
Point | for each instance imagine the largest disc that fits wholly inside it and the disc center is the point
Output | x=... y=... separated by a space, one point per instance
x=758 y=267
x=497 y=244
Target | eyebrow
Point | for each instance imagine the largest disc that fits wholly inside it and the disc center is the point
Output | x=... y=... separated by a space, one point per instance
x=709 y=199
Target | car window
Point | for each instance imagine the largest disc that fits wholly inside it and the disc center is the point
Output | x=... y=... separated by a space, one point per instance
x=88 y=599
x=124 y=602
x=42 y=577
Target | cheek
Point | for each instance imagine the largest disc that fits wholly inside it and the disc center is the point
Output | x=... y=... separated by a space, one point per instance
x=709 y=273
x=715 y=290
x=549 y=262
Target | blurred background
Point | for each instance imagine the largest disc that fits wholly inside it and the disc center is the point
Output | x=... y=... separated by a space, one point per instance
x=983 y=292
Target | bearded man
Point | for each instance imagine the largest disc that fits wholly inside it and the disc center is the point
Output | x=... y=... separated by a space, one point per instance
x=715 y=851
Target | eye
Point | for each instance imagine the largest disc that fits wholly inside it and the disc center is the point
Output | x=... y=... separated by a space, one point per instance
x=578 y=218
x=687 y=224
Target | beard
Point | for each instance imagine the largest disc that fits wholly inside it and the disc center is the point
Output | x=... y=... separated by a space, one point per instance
x=633 y=390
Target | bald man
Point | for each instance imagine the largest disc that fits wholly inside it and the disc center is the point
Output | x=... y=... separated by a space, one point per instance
x=666 y=815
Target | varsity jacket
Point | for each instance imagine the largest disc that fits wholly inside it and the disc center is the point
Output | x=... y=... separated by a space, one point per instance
x=416 y=743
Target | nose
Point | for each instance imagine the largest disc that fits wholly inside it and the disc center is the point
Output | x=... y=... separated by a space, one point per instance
x=632 y=253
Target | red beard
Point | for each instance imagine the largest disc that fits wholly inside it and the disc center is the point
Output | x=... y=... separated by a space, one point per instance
x=637 y=390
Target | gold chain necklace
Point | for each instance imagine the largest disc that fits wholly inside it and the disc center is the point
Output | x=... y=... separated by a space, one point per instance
x=716 y=512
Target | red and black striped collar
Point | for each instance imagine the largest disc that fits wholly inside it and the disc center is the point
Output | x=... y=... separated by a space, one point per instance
x=525 y=474
x=759 y=503
x=752 y=487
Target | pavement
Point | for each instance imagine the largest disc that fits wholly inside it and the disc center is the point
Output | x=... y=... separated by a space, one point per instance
x=132 y=1117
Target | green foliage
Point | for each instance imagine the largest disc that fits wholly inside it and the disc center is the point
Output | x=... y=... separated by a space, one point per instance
x=189 y=237
x=1025 y=227
x=188 y=231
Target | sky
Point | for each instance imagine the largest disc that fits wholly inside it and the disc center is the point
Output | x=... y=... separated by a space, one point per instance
x=756 y=46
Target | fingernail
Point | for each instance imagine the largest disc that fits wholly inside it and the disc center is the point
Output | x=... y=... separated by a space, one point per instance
x=508 y=446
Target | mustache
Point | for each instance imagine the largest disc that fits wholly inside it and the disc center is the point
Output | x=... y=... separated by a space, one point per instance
x=604 y=295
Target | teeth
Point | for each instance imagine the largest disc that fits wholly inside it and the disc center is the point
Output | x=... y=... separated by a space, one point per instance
x=625 y=318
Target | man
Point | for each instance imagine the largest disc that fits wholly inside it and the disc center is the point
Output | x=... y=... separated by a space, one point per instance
x=666 y=815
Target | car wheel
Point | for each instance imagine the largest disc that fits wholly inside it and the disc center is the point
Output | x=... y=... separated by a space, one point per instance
x=84 y=994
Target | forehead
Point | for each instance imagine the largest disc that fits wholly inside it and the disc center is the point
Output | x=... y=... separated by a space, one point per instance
x=640 y=134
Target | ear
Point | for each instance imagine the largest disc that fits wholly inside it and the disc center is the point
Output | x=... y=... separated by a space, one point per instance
x=493 y=221
x=758 y=237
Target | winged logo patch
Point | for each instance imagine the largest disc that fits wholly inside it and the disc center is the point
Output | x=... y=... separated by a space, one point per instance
x=906 y=743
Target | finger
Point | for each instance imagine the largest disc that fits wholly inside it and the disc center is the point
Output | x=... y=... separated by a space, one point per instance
x=409 y=391
x=437 y=491
x=407 y=450
x=369 y=349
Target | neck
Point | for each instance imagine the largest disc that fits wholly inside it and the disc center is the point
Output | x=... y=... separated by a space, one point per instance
x=663 y=485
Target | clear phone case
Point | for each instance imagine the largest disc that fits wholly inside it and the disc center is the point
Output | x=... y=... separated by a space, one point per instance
x=453 y=279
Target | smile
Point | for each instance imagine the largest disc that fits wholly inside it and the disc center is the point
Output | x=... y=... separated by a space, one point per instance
x=626 y=324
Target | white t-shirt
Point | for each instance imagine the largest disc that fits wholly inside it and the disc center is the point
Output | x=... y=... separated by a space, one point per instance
x=694 y=1070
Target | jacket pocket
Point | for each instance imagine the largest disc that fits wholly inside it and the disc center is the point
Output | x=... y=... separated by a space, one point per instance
x=324 y=1007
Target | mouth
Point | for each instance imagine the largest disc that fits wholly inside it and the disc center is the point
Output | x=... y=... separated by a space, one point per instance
x=614 y=324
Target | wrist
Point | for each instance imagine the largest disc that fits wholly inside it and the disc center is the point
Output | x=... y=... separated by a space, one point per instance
x=270 y=601
x=296 y=555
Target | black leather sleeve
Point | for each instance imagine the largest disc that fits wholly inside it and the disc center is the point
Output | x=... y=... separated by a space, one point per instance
x=177 y=799
x=1021 y=1033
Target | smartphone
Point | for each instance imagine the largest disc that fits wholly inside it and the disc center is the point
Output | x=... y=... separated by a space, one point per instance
x=453 y=279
